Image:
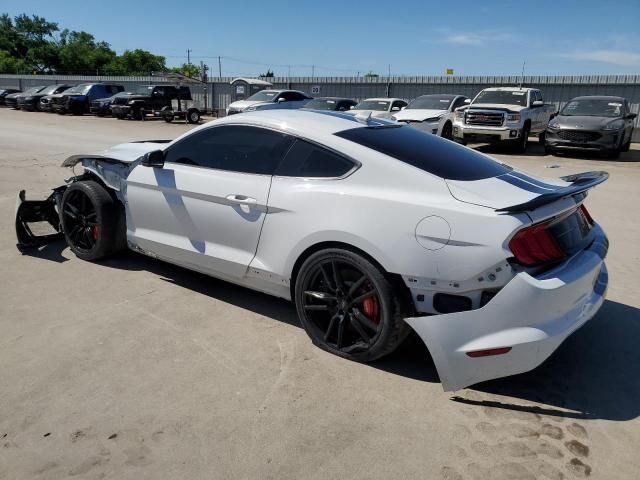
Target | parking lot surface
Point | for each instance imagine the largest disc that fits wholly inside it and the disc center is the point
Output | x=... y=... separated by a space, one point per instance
x=132 y=368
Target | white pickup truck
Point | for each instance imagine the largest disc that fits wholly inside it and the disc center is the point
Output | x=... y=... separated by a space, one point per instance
x=503 y=114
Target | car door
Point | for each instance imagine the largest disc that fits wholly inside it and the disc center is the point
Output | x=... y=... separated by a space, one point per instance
x=205 y=208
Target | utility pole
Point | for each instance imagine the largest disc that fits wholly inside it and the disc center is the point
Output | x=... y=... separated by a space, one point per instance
x=188 y=56
x=389 y=70
x=522 y=76
x=289 y=71
x=219 y=67
x=313 y=71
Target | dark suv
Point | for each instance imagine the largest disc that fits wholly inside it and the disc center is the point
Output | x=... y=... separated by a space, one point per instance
x=31 y=102
x=77 y=99
x=148 y=99
x=102 y=106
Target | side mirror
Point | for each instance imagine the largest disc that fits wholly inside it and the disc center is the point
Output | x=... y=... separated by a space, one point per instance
x=467 y=101
x=154 y=159
x=403 y=108
x=631 y=116
x=280 y=100
x=537 y=103
x=351 y=107
x=395 y=109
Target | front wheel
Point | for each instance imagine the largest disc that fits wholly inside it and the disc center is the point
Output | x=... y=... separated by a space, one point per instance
x=523 y=142
x=90 y=221
x=447 y=131
x=348 y=307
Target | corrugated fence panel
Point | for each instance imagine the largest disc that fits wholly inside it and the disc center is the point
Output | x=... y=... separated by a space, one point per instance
x=217 y=93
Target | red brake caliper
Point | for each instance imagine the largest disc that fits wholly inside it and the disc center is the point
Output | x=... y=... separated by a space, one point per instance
x=95 y=231
x=370 y=307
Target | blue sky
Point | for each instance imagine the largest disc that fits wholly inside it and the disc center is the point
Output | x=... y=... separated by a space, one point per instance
x=346 y=37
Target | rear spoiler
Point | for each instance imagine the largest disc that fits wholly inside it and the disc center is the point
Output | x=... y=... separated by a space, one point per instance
x=580 y=183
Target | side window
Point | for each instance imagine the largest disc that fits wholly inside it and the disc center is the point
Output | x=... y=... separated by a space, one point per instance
x=398 y=104
x=234 y=148
x=458 y=103
x=311 y=161
x=540 y=96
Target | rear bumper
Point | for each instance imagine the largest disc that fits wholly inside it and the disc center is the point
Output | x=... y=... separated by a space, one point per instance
x=531 y=315
x=606 y=142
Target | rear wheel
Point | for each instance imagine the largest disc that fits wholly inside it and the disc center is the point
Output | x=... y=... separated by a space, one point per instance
x=348 y=307
x=193 y=116
x=90 y=221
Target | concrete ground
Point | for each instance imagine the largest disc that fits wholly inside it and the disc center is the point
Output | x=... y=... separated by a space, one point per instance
x=135 y=369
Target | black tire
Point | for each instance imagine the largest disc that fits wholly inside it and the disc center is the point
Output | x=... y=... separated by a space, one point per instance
x=193 y=116
x=447 y=131
x=523 y=141
x=541 y=138
x=363 y=317
x=627 y=146
x=91 y=221
x=138 y=114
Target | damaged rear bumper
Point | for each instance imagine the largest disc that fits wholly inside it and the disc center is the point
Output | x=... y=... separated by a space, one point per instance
x=29 y=212
x=521 y=326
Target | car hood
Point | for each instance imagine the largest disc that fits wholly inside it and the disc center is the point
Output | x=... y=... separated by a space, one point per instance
x=14 y=95
x=497 y=106
x=512 y=188
x=418 y=114
x=579 y=122
x=242 y=104
x=122 y=153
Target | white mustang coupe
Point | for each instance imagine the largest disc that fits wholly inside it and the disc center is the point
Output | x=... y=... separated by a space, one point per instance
x=370 y=227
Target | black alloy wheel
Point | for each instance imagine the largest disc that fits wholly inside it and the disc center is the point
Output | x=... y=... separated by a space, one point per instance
x=81 y=221
x=92 y=221
x=348 y=307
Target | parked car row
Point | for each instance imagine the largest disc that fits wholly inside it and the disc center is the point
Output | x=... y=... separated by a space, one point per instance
x=103 y=99
x=602 y=124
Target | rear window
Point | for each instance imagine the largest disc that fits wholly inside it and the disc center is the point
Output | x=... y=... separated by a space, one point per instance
x=427 y=152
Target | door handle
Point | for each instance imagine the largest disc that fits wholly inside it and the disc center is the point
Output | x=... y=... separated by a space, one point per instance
x=241 y=199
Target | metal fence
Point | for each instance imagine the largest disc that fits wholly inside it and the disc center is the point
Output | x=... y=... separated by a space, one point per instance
x=216 y=94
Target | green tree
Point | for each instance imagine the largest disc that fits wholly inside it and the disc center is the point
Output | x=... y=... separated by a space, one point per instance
x=28 y=41
x=136 y=62
x=188 y=70
x=371 y=74
x=78 y=52
x=269 y=74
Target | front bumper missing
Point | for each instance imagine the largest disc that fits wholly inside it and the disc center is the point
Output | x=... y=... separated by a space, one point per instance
x=30 y=212
x=531 y=315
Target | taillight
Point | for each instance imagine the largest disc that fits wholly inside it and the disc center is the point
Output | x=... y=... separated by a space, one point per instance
x=534 y=245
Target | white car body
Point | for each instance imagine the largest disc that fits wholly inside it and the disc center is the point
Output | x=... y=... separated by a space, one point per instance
x=439 y=236
x=391 y=106
x=429 y=119
x=279 y=100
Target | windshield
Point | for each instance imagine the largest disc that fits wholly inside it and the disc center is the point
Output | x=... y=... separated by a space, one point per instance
x=593 y=108
x=33 y=90
x=321 y=104
x=78 y=90
x=49 y=90
x=502 y=97
x=431 y=102
x=144 y=90
x=263 y=96
x=379 y=105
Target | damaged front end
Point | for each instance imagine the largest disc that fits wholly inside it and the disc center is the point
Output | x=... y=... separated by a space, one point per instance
x=38 y=222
